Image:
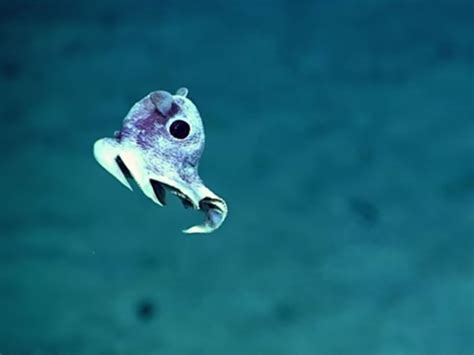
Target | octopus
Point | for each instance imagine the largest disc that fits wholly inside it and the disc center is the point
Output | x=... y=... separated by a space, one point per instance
x=159 y=148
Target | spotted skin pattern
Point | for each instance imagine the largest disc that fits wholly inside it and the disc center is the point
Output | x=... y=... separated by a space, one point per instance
x=159 y=158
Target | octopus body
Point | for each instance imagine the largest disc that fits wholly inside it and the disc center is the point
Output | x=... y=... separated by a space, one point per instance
x=159 y=148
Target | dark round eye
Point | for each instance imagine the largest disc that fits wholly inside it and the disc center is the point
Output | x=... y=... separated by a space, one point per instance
x=179 y=129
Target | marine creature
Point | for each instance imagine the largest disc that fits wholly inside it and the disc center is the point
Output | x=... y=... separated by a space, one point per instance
x=159 y=147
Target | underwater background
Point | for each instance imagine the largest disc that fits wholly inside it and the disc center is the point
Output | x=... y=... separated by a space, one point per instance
x=340 y=133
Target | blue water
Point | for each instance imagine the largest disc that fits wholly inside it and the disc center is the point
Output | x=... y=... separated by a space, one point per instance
x=340 y=133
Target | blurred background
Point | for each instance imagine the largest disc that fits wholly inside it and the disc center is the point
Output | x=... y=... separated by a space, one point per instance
x=341 y=134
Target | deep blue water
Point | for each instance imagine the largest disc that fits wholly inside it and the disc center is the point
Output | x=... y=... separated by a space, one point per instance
x=340 y=133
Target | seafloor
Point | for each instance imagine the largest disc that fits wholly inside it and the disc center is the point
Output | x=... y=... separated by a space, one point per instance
x=341 y=134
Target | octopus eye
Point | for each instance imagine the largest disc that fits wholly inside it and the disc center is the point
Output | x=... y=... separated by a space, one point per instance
x=179 y=129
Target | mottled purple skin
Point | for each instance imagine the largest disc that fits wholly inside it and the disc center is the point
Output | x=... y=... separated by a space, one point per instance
x=146 y=151
x=147 y=126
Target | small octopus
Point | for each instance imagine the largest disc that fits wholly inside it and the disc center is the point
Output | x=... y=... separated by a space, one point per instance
x=159 y=148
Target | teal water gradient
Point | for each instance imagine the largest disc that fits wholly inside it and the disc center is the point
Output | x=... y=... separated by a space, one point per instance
x=340 y=133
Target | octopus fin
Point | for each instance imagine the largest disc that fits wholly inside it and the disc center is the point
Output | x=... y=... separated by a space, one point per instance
x=182 y=92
